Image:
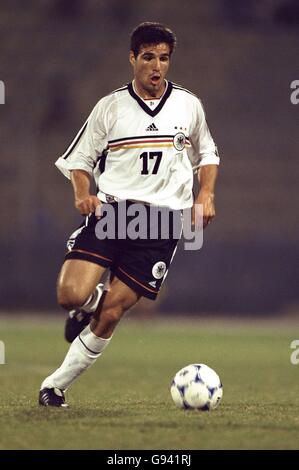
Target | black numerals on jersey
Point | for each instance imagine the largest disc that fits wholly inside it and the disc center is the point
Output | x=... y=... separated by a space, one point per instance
x=145 y=157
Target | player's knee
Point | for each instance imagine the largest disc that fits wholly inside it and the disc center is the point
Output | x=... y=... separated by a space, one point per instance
x=69 y=297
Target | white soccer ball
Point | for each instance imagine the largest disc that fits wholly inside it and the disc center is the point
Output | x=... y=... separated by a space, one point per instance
x=196 y=386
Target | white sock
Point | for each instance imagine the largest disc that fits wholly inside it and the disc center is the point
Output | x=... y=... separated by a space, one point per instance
x=83 y=352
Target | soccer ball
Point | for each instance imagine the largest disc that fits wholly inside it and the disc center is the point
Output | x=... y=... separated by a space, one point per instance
x=196 y=386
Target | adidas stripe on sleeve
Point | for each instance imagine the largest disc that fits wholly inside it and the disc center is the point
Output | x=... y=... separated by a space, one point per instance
x=89 y=143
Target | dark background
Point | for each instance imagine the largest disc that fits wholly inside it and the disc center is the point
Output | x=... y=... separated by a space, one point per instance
x=58 y=58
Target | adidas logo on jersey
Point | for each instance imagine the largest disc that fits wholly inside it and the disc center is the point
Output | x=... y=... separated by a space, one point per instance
x=152 y=127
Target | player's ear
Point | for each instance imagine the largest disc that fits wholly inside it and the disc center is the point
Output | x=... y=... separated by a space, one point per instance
x=132 y=58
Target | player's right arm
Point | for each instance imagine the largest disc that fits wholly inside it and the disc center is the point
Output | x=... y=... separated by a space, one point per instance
x=85 y=202
x=80 y=159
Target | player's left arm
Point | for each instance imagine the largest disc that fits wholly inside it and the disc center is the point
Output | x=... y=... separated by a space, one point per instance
x=207 y=176
x=205 y=160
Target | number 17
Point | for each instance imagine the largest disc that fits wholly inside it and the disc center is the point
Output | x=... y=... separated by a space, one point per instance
x=145 y=156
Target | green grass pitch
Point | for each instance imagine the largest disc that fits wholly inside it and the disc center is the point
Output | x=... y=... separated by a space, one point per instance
x=124 y=402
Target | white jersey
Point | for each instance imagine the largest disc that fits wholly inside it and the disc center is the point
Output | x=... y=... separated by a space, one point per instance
x=142 y=150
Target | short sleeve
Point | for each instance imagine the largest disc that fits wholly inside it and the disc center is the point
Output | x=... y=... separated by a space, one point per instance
x=88 y=144
x=203 y=150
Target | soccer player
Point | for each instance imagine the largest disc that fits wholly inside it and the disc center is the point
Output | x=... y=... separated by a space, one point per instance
x=141 y=144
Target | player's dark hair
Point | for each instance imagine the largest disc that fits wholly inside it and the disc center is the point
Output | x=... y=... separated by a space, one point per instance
x=151 y=33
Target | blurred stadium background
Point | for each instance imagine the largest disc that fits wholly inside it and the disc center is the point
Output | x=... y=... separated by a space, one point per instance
x=59 y=57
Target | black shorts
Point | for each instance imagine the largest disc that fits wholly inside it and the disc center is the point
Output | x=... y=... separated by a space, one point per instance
x=140 y=263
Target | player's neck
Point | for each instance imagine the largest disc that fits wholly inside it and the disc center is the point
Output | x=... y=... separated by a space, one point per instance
x=145 y=94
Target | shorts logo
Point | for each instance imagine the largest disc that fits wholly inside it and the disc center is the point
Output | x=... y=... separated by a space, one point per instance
x=159 y=269
x=153 y=283
x=179 y=141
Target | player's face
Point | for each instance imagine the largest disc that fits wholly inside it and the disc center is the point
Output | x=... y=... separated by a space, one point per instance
x=150 y=68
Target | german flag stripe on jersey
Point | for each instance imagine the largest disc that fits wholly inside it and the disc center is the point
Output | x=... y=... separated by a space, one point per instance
x=143 y=142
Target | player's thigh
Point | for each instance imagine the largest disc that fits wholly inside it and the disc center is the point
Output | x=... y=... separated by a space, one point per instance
x=78 y=278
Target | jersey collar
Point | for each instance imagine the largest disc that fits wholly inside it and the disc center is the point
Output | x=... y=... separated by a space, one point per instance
x=144 y=106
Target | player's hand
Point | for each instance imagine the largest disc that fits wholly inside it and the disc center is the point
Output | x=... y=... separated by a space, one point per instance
x=206 y=199
x=89 y=204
